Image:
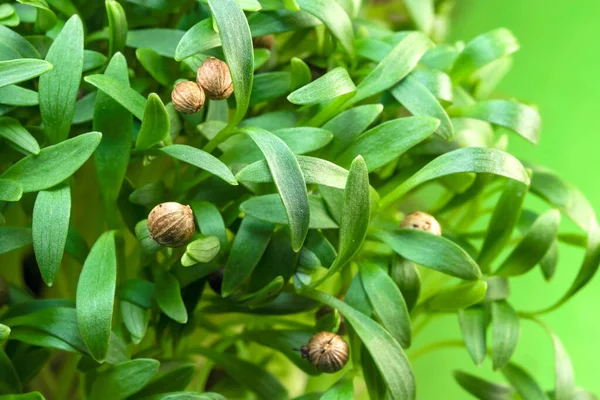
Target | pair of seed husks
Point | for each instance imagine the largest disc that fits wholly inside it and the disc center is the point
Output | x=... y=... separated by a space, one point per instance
x=213 y=81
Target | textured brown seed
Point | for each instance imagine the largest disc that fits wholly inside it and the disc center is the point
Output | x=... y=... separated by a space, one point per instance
x=171 y=224
x=214 y=77
x=326 y=351
x=3 y=292
x=422 y=221
x=187 y=97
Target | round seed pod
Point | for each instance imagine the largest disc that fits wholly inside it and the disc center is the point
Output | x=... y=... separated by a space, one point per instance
x=171 y=224
x=3 y=292
x=326 y=351
x=187 y=97
x=422 y=221
x=214 y=77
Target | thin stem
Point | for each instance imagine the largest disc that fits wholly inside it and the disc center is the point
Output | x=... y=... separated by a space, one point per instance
x=435 y=346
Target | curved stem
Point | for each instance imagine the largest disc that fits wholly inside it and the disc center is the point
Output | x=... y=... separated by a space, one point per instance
x=435 y=346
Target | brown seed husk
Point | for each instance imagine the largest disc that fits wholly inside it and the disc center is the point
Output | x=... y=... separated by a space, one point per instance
x=187 y=97
x=214 y=77
x=171 y=224
x=422 y=221
x=326 y=351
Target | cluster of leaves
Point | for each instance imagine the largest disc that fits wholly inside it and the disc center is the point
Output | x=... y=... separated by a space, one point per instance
x=295 y=184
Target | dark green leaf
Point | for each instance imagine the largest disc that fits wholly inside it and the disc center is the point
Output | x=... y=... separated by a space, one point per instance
x=505 y=333
x=155 y=124
x=117 y=27
x=168 y=297
x=455 y=297
x=269 y=86
x=14 y=237
x=483 y=389
x=334 y=17
x=264 y=23
x=17 y=42
x=120 y=92
x=137 y=291
x=50 y=226
x=164 y=70
x=173 y=380
x=526 y=386
x=136 y=320
x=351 y=123
x=333 y=84
x=123 y=379
x=9 y=379
x=473 y=326
x=278 y=260
x=92 y=60
x=13 y=132
x=15 y=71
x=200 y=159
x=406 y=276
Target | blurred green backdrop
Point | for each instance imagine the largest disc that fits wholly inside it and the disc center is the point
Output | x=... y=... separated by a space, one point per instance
x=555 y=69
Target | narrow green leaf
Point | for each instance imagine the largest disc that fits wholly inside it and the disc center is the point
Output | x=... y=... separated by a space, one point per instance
x=95 y=295
x=197 y=39
x=237 y=47
x=483 y=50
x=550 y=261
x=13 y=132
x=50 y=225
x=333 y=84
x=93 y=60
x=17 y=42
x=200 y=159
x=168 y=296
x=45 y=18
x=164 y=70
x=84 y=108
x=436 y=82
x=483 y=389
x=334 y=17
x=117 y=27
x=26 y=396
x=58 y=88
x=54 y=163
x=210 y=221
x=422 y=13
x=431 y=251
x=175 y=379
x=526 y=386
x=406 y=276
x=15 y=71
x=162 y=41
x=201 y=250
x=135 y=319
x=399 y=62
x=343 y=390
x=278 y=260
x=351 y=123
x=186 y=396
x=123 y=379
x=134 y=102
x=474 y=159
x=421 y=102
x=389 y=140
x=387 y=354
x=13 y=238
x=289 y=181
x=14 y=95
x=300 y=72
x=473 y=326
x=269 y=86
x=137 y=291
x=454 y=298
x=10 y=190
x=270 y=208
x=9 y=379
x=532 y=248
x=155 y=124
x=505 y=333
x=248 y=247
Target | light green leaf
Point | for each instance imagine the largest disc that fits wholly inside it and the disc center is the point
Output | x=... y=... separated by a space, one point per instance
x=50 y=225
x=334 y=17
x=474 y=159
x=120 y=92
x=431 y=251
x=483 y=389
x=200 y=159
x=237 y=47
x=270 y=208
x=526 y=386
x=201 y=250
x=96 y=295
x=333 y=84
x=93 y=60
x=473 y=326
x=58 y=88
x=117 y=27
x=197 y=39
x=454 y=298
x=289 y=181
x=436 y=82
x=301 y=74
x=10 y=190
x=135 y=319
x=12 y=131
x=351 y=123
x=17 y=42
x=54 y=163
x=343 y=390
x=210 y=221
x=84 y=108
x=15 y=71
x=14 y=95
x=387 y=354
x=505 y=333
x=269 y=86
x=123 y=379
x=155 y=124
x=162 y=41
x=168 y=296
x=550 y=261
x=389 y=140
x=422 y=13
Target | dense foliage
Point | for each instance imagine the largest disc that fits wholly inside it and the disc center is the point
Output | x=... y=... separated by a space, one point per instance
x=345 y=116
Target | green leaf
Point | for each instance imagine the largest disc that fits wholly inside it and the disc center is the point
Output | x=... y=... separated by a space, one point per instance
x=15 y=71
x=13 y=132
x=84 y=108
x=92 y=60
x=526 y=386
x=389 y=140
x=248 y=247
x=483 y=50
x=455 y=297
x=334 y=17
x=387 y=302
x=421 y=102
x=45 y=18
x=264 y=23
x=136 y=320
x=333 y=84
x=10 y=190
x=351 y=123
x=422 y=13
x=168 y=297
x=134 y=102
x=13 y=238
x=96 y=294
x=483 y=389
x=237 y=48
x=533 y=246
x=289 y=181
x=17 y=42
x=14 y=95
x=58 y=88
x=398 y=63
x=503 y=221
x=387 y=354
x=197 y=39
x=123 y=379
x=269 y=86
x=343 y=390
x=162 y=41
x=210 y=221
x=247 y=374
x=155 y=124
x=270 y=208
x=9 y=379
x=436 y=82
x=505 y=333
x=550 y=261
x=5 y=333
x=200 y=159
x=300 y=72
x=137 y=291
x=406 y=276
x=26 y=396
x=117 y=27
x=473 y=326
x=315 y=171
x=201 y=250
x=473 y=159
x=164 y=70
x=177 y=378
x=517 y=117
x=186 y=396
x=50 y=225
x=278 y=260
x=54 y=163
x=431 y=251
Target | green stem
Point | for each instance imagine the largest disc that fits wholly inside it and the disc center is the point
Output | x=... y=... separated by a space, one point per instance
x=435 y=346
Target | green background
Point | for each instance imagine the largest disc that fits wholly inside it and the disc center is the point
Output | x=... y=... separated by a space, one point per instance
x=556 y=69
